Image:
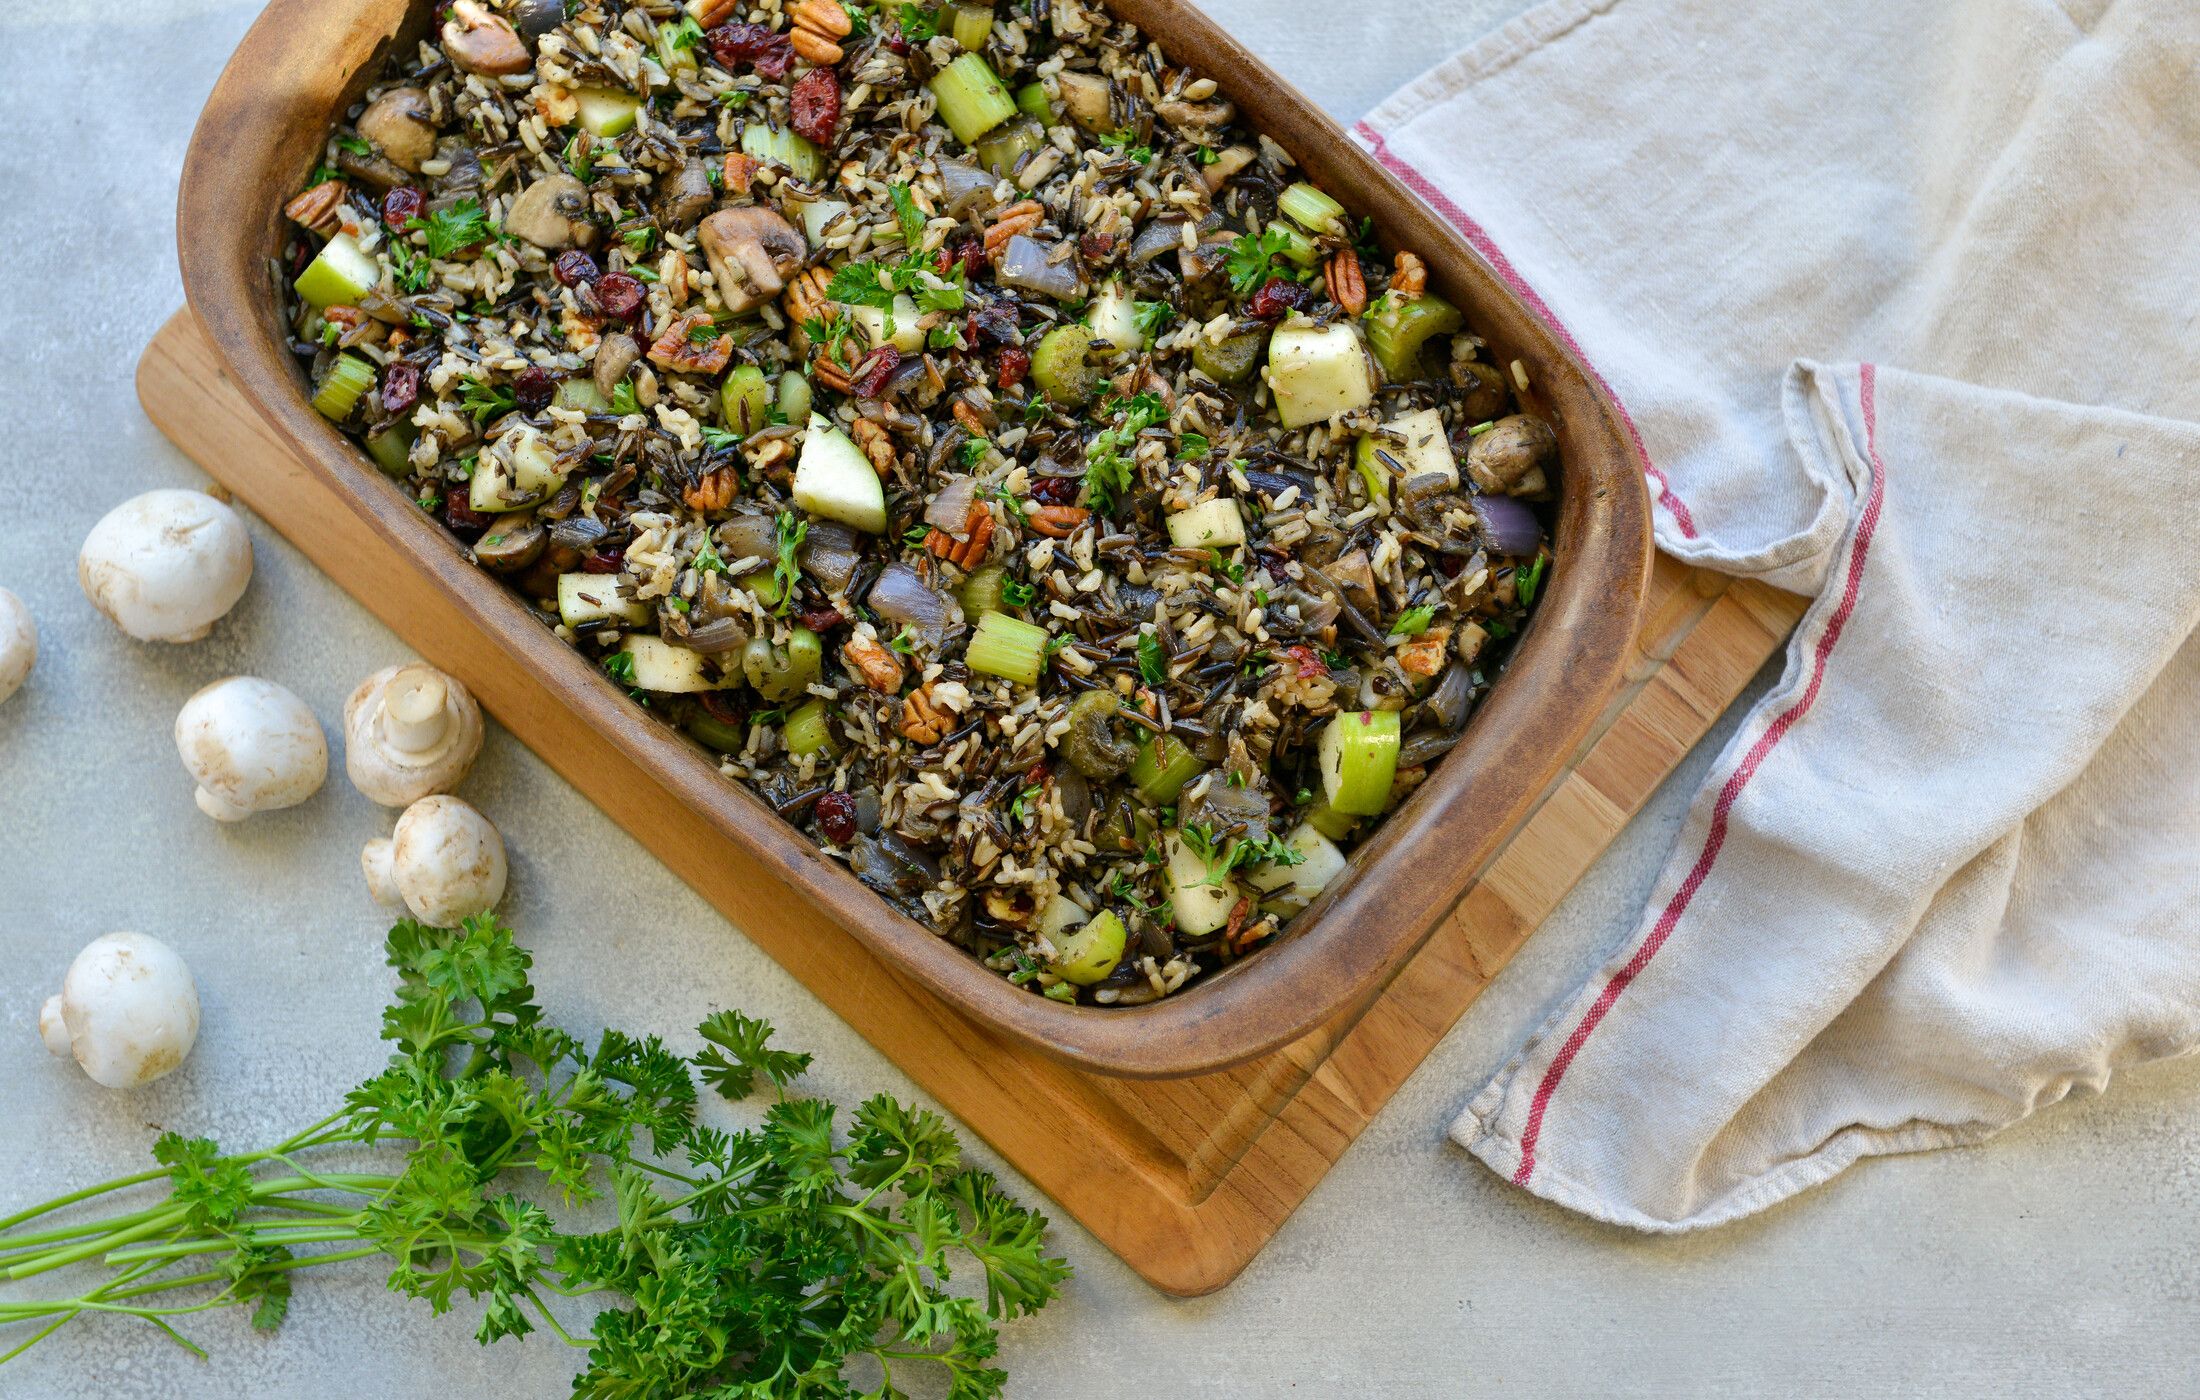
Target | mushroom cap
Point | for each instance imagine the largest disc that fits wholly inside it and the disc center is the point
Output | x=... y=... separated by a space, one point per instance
x=167 y=565
x=445 y=859
x=401 y=125
x=251 y=746
x=409 y=732
x=751 y=251
x=129 y=1008
x=18 y=643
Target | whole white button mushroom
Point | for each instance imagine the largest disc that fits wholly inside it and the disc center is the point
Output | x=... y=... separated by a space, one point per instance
x=18 y=644
x=409 y=732
x=128 y=1010
x=443 y=862
x=167 y=565
x=251 y=746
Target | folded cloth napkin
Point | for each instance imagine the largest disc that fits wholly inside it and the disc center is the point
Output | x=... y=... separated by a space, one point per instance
x=1901 y=304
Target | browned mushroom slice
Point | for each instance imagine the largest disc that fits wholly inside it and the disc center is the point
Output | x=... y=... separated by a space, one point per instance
x=614 y=357
x=1197 y=120
x=1227 y=164
x=511 y=543
x=1086 y=99
x=483 y=42
x=548 y=212
x=752 y=253
x=400 y=126
x=688 y=197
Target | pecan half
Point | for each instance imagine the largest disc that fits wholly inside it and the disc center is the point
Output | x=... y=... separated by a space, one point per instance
x=805 y=299
x=678 y=350
x=815 y=48
x=977 y=541
x=715 y=491
x=1058 y=522
x=316 y=208
x=710 y=13
x=831 y=373
x=922 y=721
x=1020 y=217
x=881 y=669
x=877 y=444
x=1411 y=277
x=817 y=25
x=1347 y=287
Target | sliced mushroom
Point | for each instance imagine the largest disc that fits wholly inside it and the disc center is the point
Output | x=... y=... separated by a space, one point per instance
x=752 y=252
x=1512 y=458
x=376 y=170
x=614 y=357
x=511 y=543
x=1085 y=97
x=480 y=41
x=401 y=126
x=688 y=197
x=549 y=212
x=1196 y=119
x=1227 y=164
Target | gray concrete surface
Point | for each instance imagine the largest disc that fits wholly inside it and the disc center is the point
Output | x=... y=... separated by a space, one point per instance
x=2058 y=1261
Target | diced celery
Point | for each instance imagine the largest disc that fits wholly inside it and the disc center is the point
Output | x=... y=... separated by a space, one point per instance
x=1163 y=767
x=973 y=25
x=347 y=380
x=1359 y=758
x=340 y=274
x=1329 y=821
x=579 y=391
x=390 y=445
x=606 y=111
x=999 y=152
x=1058 y=366
x=1008 y=647
x=984 y=591
x=809 y=729
x=585 y=597
x=794 y=396
x=781 y=674
x=784 y=147
x=1310 y=209
x=1215 y=524
x=1317 y=372
x=834 y=479
x=1090 y=954
x=971 y=98
x=1297 y=246
x=1033 y=102
x=1398 y=327
x=1231 y=360
x=745 y=398
x=660 y=666
x=1416 y=442
x=1200 y=898
x=715 y=734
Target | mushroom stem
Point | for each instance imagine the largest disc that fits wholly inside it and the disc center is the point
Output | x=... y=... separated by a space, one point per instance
x=220 y=808
x=416 y=718
x=52 y=1028
x=378 y=860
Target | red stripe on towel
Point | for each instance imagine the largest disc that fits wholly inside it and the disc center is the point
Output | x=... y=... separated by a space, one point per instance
x=1859 y=547
x=1483 y=244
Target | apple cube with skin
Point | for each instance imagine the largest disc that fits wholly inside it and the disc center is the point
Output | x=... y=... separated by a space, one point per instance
x=340 y=274
x=667 y=669
x=604 y=112
x=1317 y=372
x=585 y=597
x=1420 y=448
x=833 y=479
x=906 y=335
x=1199 y=898
x=1215 y=524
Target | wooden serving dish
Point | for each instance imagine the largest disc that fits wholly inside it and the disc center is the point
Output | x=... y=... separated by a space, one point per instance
x=263 y=127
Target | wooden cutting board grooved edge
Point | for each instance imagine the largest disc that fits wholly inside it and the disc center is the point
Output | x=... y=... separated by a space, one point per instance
x=1185 y=1179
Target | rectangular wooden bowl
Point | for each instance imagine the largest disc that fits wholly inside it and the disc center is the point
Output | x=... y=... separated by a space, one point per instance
x=305 y=61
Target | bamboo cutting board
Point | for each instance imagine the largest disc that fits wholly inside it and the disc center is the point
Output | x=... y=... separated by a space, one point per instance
x=1185 y=1179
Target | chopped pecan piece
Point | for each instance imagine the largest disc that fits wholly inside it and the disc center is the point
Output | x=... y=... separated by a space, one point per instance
x=977 y=541
x=678 y=349
x=316 y=208
x=715 y=491
x=712 y=13
x=1058 y=522
x=1411 y=277
x=881 y=669
x=805 y=299
x=877 y=444
x=817 y=24
x=741 y=168
x=1424 y=655
x=1347 y=287
x=1018 y=218
x=922 y=721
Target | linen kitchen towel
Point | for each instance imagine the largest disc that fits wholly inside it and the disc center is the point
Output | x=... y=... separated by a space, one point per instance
x=1903 y=305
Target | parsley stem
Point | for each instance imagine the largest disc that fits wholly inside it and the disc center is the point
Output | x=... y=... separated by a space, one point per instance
x=324 y=1234
x=552 y=1318
x=119 y=1183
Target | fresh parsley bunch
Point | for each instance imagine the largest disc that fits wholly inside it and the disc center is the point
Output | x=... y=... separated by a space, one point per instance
x=742 y=1265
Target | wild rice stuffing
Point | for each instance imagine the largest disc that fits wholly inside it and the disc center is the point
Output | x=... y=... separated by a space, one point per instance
x=955 y=421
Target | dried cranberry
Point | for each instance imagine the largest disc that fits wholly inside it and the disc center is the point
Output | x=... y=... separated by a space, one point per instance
x=967 y=252
x=1279 y=296
x=1096 y=246
x=400 y=388
x=768 y=52
x=402 y=205
x=816 y=106
x=820 y=619
x=836 y=818
x=870 y=379
x=993 y=325
x=1057 y=490
x=718 y=707
x=1449 y=565
x=604 y=561
x=574 y=267
x=1015 y=363
x=459 y=514
x=895 y=39
x=1276 y=562
x=534 y=388
x=1308 y=661
x=621 y=296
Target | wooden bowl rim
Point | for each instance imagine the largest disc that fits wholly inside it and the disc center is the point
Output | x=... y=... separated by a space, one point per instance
x=277 y=94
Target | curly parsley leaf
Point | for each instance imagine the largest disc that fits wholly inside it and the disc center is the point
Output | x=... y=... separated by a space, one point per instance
x=1153 y=663
x=454 y=229
x=1251 y=260
x=1414 y=621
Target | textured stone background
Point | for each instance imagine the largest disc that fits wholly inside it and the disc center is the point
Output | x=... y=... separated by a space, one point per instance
x=2060 y=1260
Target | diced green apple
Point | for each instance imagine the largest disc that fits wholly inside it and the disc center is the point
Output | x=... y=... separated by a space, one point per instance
x=1293 y=887
x=490 y=490
x=1090 y=954
x=897 y=327
x=606 y=112
x=818 y=215
x=1317 y=373
x=1201 y=900
x=666 y=669
x=340 y=274
x=1060 y=915
x=535 y=469
x=585 y=597
x=1359 y=758
x=1115 y=318
x=1416 y=442
x=834 y=479
x=1215 y=524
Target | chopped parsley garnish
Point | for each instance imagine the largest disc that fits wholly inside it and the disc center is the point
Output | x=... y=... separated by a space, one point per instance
x=684 y=35
x=909 y=216
x=1226 y=566
x=706 y=559
x=619 y=665
x=452 y=230
x=485 y=400
x=1414 y=621
x=1120 y=142
x=1020 y=809
x=1251 y=260
x=623 y=401
x=973 y=451
x=904 y=641
x=918 y=26
x=719 y=439
x=1153 y=664
x=1153 y=317
x=1108 y=463
x=1529 y=580
x=1018 y=594
x=357 y=145
x=793 y=530
x=1191 y=447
